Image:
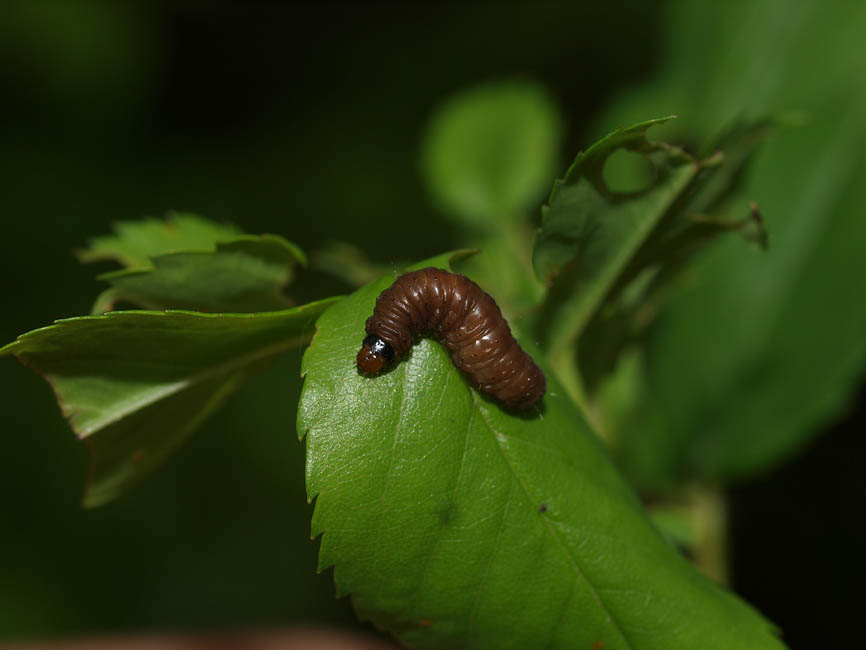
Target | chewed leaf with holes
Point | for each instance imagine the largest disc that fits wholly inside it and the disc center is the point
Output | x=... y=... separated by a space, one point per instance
x=614 y=236
x=453 y=523
x=589 y=233
x=134 y=385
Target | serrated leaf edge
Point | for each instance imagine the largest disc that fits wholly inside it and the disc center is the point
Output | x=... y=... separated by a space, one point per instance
x=171 y=389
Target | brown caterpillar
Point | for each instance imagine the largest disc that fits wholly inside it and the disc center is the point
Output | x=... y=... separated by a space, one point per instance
x=456 y=311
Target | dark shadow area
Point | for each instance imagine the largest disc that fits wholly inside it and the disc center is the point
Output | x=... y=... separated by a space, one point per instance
x=798 y=539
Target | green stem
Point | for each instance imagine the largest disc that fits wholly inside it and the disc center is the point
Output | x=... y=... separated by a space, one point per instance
x=709 y=512
x=695 y=518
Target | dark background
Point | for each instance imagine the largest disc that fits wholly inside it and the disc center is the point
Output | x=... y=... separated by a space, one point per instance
x=302 y=119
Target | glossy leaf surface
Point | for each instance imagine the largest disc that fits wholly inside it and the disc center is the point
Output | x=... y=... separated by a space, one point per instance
x=455 y=524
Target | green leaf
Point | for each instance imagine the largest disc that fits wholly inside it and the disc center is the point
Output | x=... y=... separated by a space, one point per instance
x=489 y=152
x=762 y=351
x=244 y=274
x=135 y=384
x=652 y=275
x=456 y=524
x=614 y=236
x=589 y=234
x=504 y=267
x=135 y=242
x=346 y=262
x=582 y=190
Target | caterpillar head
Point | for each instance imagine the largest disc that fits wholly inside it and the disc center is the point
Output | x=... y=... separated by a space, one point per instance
x=374 y=356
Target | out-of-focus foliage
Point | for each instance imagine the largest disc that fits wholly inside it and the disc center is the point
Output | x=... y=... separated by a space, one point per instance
x=758 y=350
x=134 y=243
x=489 y=153
x=186 y=262
x=609 y=248
x=591 y=235
x=136 y=384
x=246 y=274
x=347 y=262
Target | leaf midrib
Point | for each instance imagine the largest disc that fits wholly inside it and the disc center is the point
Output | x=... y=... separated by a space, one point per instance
x=588 y=305
x=153 y=396
x=549 y=527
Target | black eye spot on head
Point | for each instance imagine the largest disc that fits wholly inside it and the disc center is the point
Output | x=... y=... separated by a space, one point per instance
x=379 y=347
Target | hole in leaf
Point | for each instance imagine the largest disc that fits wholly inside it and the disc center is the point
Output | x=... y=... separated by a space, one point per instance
x=627 y=172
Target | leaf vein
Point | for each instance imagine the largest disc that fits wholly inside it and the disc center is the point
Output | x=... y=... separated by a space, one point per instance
x=441 y=534
x=496 y=543
x=553 y=531
x=389 y=471
x=151 y=397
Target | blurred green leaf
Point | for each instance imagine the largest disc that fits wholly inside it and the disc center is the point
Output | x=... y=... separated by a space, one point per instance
x=653 y=273
x=135 y=242
x=761 y=351
x=188 y=262
x=589 y=233
x=503 y=267
x=245 y=274
x=611 y=241
x=674 y=523
x=441 y=513
x=135 y=384
x=346 y=262
x=738 y=143
x=489 y=152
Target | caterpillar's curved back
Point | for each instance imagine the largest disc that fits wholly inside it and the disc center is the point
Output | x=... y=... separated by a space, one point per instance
x=467 y=321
